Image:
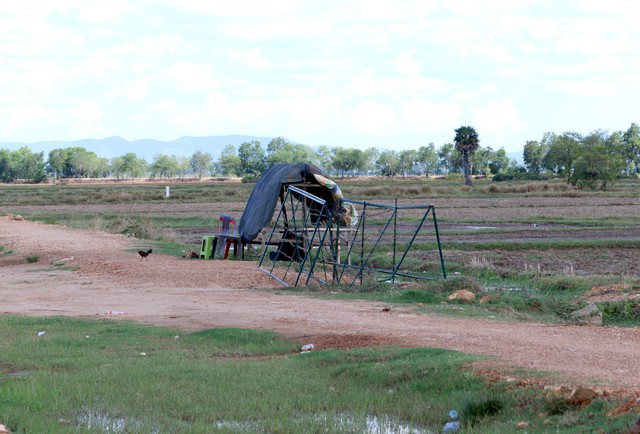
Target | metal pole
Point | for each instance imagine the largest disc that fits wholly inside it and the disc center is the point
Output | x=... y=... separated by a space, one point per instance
x=435 y=224
x=395 y=231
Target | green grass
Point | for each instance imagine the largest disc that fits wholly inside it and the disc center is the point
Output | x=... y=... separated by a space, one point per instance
x=542 y=299
x=121 y=193
x=112 y=376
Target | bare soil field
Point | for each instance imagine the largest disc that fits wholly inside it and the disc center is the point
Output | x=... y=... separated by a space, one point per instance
x=107 y=280
x=493 y=220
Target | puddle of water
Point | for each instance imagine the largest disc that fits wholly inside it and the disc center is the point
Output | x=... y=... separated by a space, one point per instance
x=477 y=228
x=370 y=425
x=18 y=374
x=339 y=422
x=103 y=422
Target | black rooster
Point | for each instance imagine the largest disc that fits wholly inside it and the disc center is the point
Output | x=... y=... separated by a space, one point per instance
x=143 y=254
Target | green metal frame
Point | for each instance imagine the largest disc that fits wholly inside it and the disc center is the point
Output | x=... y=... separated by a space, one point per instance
x=311 y=229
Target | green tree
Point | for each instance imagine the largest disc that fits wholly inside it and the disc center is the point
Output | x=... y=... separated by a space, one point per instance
x=183 y=165
x=481 y=160
x=26 y=165
x=229 y=161
x=428 y=159
x=201 y=162
x=100 y=168
x=370 y=156
x=131 y=166
x=534 y=154
x=253 y=160
x=631 y=140
x=466 y=141
x=6 y=171
x=323 y=157
x=281 y=151
x=115 y=166
x=164 y=166
x=56 y=162
x=79 y=161
x=408 y=159
x=500 y=162
x=449 y=159
x=388 y=163
x=349 y=161
x=598 y=162
x=563 y=150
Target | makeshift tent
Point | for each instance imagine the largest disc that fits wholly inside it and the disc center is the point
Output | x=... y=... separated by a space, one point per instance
x=272 y=185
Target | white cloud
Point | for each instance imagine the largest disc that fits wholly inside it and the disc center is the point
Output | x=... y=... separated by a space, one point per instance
x=373 y=118
x=496 y=120
x=425 y=116
x=23 y=116
x=240 y=8
x=104 y=12
x=364 y=84
x=407 y=64
x=101 y=66
x=354 y=69
x=251 y=59
x=587 y=87
x=192 y=75
x=88 y=113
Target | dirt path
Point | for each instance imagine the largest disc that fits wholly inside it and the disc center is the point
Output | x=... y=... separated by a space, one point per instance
x=193 y=294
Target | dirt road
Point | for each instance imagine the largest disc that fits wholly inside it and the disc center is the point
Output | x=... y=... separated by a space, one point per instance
x=193 y=294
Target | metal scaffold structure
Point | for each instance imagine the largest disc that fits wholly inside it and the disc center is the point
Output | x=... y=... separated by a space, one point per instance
x=353 y=243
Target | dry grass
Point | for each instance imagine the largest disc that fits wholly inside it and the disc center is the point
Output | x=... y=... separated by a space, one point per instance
x=532 y=187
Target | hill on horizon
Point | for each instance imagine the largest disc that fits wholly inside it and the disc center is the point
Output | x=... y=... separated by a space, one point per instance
x=111 y=147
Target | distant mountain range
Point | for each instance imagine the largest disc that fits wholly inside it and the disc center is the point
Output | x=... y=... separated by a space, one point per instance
x=144 y=148
x=148 y=148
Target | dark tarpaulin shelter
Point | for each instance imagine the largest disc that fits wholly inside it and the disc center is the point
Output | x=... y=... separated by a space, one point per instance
x=272 y=184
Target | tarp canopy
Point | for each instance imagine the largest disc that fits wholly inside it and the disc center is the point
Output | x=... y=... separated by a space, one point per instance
x=264 y=198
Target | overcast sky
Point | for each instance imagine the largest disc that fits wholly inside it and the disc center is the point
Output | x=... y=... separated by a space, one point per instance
x=390 y=74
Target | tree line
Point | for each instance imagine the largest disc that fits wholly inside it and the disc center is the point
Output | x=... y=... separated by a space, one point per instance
x=592 y=160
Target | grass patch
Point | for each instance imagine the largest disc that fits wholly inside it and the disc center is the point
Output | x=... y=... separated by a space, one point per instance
x=620 y=313
x=122 y=377
x=32 y=259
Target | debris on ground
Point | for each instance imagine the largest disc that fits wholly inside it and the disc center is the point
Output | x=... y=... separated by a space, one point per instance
x=590 y=314
x=307 y=348
x=463 y=296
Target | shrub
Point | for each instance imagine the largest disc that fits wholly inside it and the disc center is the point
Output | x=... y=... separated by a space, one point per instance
x=250 y=178
x=517 y=176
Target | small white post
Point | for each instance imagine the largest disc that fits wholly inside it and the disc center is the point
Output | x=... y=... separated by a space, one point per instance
x=166 y=193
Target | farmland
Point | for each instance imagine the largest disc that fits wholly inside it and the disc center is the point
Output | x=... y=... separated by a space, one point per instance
x=537 y=251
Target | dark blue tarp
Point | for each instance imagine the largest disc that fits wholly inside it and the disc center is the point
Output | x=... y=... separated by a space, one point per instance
x=264 y=197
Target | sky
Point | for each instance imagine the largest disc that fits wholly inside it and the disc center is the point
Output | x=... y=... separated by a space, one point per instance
x=390 y=74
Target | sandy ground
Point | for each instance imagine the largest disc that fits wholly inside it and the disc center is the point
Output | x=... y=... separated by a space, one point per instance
x=110 y=281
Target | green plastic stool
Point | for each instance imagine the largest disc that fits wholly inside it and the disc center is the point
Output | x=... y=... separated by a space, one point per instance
x=206 y=250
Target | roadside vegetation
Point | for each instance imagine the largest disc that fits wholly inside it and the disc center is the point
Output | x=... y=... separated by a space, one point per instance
x=61 y=375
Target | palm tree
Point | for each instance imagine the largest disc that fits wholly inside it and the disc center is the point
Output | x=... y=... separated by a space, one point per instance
x=467 y=142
